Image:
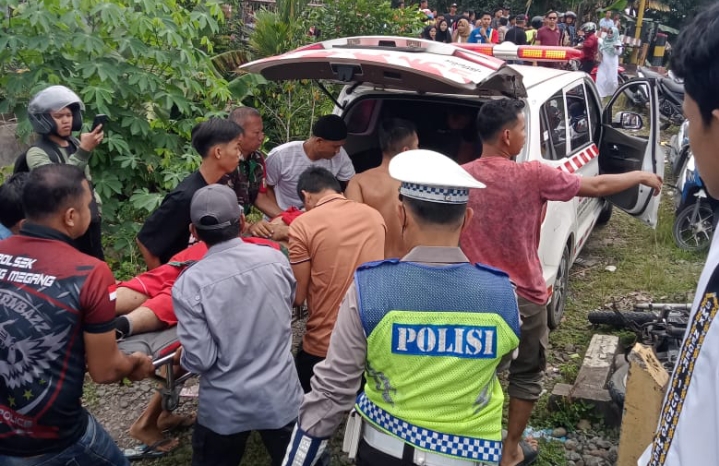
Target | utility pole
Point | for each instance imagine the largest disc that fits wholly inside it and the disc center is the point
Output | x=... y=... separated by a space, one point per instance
x=638 y=31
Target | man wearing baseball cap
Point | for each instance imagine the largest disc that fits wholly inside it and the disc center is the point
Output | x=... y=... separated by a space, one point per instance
x=429 y=349
x=452 y=16
x=237 y=338
x=286 y=163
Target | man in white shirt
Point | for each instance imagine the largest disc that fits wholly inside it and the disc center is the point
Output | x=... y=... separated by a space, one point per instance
x=688 y=430
x=606 y=23
x=286 y=163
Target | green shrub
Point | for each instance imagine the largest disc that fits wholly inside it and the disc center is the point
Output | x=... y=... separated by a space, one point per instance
x=144 y=63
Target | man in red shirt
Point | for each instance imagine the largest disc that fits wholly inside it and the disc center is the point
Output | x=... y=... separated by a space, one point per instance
x=504 y=233
x=56 y=325
x=549 y=34
x=589 y=47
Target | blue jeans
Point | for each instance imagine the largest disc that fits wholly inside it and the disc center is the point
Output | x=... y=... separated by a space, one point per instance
x=95 y=447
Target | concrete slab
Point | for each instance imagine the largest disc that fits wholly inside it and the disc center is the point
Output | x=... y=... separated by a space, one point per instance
x=590 y=384
x=598 y=362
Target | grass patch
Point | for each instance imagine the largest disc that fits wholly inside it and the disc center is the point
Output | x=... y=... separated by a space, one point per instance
x=551 y=453
x=649 y=268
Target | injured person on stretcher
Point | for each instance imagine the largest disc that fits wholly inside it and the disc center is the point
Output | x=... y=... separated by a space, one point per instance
x=146 y=322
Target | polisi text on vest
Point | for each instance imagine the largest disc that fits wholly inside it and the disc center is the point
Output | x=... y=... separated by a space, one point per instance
x=445 y=340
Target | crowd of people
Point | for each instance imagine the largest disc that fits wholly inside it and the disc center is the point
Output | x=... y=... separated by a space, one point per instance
x=382 y=260
x=492 y=28
x=601 y=45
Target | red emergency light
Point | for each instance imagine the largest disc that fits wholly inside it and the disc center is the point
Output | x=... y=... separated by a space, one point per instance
x=510 y=51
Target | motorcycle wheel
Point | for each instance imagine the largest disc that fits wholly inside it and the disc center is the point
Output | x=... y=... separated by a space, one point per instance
x=617 y=385
x=611 y=318
x=693 y=230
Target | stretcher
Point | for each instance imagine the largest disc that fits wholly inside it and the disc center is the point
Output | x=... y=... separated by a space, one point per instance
x=161 y=347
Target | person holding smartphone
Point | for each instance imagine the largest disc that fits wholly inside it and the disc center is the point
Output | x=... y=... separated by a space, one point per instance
x=55 y=113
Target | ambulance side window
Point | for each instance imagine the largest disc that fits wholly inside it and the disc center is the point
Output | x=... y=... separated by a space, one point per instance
x=578 y=123
x=554 y=130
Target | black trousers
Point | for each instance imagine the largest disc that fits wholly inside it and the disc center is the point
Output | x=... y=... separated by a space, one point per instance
x=587 y=66
x=369 y=456
x=305 y=364
x=212 y=449
x=91 y=242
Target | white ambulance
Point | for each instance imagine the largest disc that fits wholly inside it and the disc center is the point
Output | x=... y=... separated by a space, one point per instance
x=437 y=85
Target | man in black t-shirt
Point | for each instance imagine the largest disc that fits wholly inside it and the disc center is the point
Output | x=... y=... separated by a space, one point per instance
x=452 y=16
x=166 y=232
x=56 y=322
x=516 y=34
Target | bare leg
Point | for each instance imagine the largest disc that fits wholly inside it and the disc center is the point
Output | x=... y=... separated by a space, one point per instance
x=145 y=427
x=128 y=300
x=144 y=320
x=171 y=421
x=519 y=413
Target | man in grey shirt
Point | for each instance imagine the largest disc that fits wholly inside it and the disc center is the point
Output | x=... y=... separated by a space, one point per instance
x=234 y=311
x=287 y=162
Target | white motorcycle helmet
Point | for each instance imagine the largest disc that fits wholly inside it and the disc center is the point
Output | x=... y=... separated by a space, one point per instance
x=52 y=99
x=589 y=27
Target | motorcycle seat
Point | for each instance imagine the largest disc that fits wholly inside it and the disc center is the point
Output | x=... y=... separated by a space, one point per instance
x=673 y=86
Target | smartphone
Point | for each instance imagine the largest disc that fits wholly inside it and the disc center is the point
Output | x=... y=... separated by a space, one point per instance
x=100 y=119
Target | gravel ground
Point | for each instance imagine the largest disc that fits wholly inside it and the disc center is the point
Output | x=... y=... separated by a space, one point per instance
x=117 y=406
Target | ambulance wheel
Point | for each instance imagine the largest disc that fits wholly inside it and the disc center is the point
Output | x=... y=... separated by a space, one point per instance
x=606 y=214
x=555 y=307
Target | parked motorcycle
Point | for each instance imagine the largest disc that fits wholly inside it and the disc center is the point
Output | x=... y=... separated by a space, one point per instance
x=671 y=96
x=694 y=215
x=659 y=325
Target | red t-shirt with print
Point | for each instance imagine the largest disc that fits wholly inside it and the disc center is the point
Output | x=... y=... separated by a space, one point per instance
x=504 y=232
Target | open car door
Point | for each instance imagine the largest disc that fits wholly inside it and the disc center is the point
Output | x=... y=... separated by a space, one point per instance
x=630 y=141
x=395 y=63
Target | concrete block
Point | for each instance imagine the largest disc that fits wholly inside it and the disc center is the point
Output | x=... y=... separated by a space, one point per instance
x=590 y=385
x=598 y=362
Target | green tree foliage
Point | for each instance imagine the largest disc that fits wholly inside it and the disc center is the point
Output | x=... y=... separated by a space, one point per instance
x=342 y=18
x=290 y=108
x=144 y=63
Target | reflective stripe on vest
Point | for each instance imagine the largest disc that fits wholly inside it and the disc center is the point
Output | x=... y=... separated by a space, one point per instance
x=453 y=445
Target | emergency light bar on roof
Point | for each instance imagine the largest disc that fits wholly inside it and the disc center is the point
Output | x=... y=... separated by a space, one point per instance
x=510 y=51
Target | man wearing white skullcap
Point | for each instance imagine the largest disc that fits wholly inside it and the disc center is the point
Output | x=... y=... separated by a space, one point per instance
x=428 y=344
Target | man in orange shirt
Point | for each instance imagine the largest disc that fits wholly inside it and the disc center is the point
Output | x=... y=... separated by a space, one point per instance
x=327 y=244
x=379 y=190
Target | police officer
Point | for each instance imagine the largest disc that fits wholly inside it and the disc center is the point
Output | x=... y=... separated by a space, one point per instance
x=428 y=331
